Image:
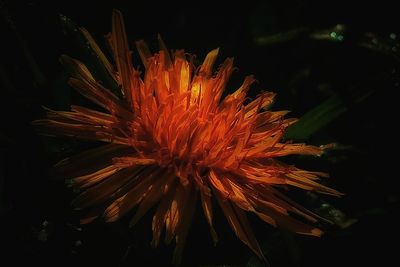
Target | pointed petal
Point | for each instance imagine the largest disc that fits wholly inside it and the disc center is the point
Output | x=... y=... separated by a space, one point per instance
x=101 y=96
x=91 y=160
x=122 y=54
x=184 y=224
x=133 y=197
x=300 y=180
x=161 y=214
x=103 y=190
x=144 y=52
x=163 y=48
x=288 y=222
x=238 y=221
x=99 y=53
x=206 y=67
x=124 y=162
x=83 y=81
x=157 y=191
x=175 y=212
x=267 y=100
x=85 y=181
x=207 y=209
x=80 y=131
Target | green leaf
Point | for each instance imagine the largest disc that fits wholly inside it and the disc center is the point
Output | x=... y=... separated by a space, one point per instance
x=280 y=37
x=316 y=119
x=335 y=34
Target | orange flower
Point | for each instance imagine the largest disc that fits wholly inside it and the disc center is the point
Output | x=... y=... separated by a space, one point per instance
x=172 y=138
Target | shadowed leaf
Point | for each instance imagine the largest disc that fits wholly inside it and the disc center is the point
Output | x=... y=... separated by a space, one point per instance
x=316 y=119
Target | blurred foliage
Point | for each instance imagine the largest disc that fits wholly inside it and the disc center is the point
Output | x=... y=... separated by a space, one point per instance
x=316 y=119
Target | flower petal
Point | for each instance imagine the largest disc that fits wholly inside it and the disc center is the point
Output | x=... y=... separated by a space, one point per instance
x=122 y=54
x=184 y=224
x=161 y=214
x=133 y=197
x=238 y=221
x=156 y=192
x=207 y=209
x=100 y=192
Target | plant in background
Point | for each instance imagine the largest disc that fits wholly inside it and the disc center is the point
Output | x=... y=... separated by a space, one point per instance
x=171 y=139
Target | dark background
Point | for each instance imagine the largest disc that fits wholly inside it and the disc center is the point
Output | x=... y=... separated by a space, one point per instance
x=289 y=47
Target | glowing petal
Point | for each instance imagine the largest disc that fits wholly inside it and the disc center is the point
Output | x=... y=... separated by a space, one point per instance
x=172 y=137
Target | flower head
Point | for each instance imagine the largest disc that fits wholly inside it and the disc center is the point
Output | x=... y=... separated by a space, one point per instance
x=171 y=139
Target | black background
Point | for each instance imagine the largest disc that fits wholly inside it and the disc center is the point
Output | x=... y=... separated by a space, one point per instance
x=38 y=223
